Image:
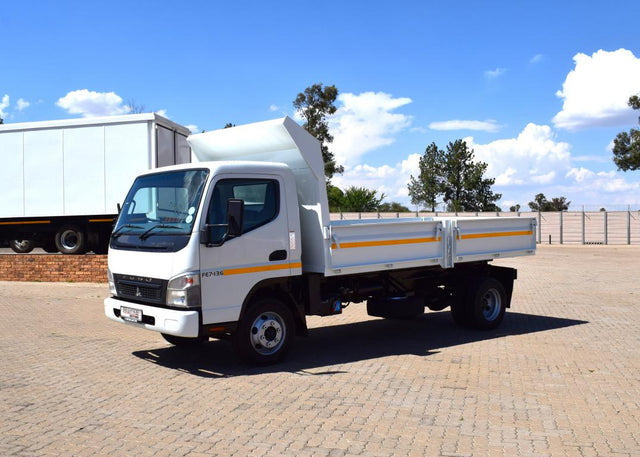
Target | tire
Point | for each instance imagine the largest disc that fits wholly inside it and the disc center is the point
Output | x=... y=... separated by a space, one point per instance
x=181 y=341
x=265 y=332
x=482 y=306
x=71 y=240
x=21 y=246
x=489 y=304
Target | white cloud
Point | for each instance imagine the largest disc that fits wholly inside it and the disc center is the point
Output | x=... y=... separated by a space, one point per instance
x=364 y=123
x=387 y=179
x=492 y=74
x=193 y=128
x=4 y=104
x=162 y=112
x=273 y=108
x=91 y=104
x=532 y=157
x=22 y=104
x=536 y=59
x=596 y=91
x=455 y=124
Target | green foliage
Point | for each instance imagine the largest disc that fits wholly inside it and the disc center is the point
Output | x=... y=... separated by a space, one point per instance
x=354 y=199
x=540 y=203
x=626 y=146
x=514 y=208
x=314 y=105
x=228 y=125
x=454 y=176
x=425 y=189
x=335 y=197
x=361 y=199
x=393 y=207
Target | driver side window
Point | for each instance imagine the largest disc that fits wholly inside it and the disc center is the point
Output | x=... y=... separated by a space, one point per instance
x=261 y=203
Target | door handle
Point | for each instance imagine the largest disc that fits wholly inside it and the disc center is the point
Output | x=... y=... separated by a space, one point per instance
x=280 y=254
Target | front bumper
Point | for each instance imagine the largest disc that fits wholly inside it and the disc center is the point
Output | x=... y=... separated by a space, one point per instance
x=173 y=322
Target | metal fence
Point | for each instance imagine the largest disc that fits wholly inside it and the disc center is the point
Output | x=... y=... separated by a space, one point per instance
x=566 y=227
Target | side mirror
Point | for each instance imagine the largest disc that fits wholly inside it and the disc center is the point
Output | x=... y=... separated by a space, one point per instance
x=233 y=226
x=235 y=217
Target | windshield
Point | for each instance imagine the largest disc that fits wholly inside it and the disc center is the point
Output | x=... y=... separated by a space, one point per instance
x=159 y=208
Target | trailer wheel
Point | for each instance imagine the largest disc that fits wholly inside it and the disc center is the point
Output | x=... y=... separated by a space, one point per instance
x=71 y=240
x=483 y=306
x=265 y=332
x=21 y=246
x=182 y=341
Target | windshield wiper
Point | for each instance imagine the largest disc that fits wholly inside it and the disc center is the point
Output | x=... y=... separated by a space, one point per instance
x=146 y=234
x=118 y=232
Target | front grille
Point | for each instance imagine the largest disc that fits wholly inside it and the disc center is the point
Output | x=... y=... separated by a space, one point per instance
x=141 y=289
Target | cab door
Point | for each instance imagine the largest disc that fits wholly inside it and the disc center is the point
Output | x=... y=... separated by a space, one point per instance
x=229 y=271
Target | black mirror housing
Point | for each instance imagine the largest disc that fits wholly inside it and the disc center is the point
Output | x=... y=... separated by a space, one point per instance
x=235 y=217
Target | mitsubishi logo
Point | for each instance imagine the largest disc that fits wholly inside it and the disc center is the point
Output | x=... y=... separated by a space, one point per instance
x=138 y=293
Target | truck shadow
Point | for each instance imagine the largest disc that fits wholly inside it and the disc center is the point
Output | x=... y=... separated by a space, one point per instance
x=334 y=345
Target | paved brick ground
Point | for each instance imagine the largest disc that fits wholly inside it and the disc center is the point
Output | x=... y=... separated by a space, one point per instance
x=560 y=377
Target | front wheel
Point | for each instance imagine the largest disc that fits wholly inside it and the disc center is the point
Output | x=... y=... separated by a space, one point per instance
x=21 y=246
x=265 y=332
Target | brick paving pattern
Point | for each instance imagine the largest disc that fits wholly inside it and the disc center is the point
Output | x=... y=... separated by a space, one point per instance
x=561 y=376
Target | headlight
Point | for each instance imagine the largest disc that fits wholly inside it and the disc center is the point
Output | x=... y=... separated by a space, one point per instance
x=184 y=290
x=112 y=283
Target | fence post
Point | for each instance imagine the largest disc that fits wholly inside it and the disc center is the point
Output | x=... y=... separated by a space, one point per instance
x=606 y=229
x=628 y=224
x=561 y=228
x=539 y=226
x=583 y=228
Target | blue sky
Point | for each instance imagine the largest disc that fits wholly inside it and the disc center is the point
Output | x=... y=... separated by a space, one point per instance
x=539 y=89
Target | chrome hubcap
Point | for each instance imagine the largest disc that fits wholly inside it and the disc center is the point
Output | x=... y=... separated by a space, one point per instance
x=267 y=333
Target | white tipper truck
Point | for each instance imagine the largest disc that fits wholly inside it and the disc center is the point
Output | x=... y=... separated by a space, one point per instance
x=62 y=180
x=240 y=246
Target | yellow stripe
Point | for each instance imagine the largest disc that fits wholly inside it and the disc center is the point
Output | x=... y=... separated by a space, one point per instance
x=261 y=268
x=367 y=244
x=101 y=220
x=493 y=235
x=25 y=222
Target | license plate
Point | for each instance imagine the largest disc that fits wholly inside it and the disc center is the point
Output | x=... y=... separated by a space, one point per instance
x=131 y=314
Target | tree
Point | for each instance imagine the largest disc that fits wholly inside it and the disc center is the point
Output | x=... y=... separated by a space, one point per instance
x=540 y=203
x=134 y=108
x=464 y=186
x=515 y=208
x=335 y=197
x=393 y=207
x=425 y=189
x=314 y=105
x=626 y=146
x=228 y=125
x=361 y=199
x=455 y=176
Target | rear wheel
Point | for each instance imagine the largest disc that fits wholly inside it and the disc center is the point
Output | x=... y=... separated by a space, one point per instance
x=265 y=332
x=71 y=240
x=21 y=246
x=481 y=306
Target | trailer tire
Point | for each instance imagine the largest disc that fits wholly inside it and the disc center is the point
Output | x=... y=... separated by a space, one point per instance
x=481 y=306
x=265 y=332
x=21 y=246
x=181 y=341
x=71 y=240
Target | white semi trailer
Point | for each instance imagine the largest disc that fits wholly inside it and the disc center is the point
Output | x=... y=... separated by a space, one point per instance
x=61 y=181
x=241 y=246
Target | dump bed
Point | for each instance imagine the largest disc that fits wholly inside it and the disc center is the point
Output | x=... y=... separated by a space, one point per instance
x=364 y=246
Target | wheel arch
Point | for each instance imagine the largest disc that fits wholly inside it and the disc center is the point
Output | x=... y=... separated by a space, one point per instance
x=286 y=290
